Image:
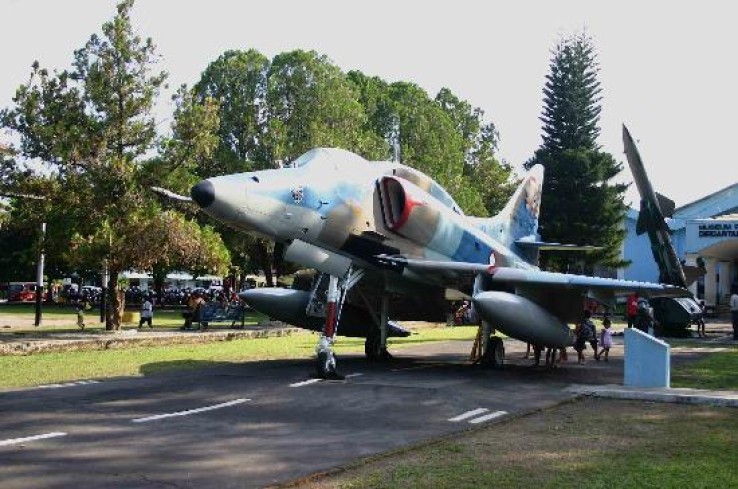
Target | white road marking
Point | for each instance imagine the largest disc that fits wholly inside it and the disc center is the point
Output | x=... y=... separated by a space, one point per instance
x=305 y=382
x=190 y=411
x=15 y=441
x=488 y=417
x=316 y=380
x=68 y=384
x=468 y=414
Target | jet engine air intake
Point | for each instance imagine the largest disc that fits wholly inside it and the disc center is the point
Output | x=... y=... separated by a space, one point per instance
x=406 y=211
x=311 y=256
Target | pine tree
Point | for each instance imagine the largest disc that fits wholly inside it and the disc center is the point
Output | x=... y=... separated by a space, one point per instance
x=571 y=109
x=580 y=205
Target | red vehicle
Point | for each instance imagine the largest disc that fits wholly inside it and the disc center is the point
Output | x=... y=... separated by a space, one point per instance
x=21 y=291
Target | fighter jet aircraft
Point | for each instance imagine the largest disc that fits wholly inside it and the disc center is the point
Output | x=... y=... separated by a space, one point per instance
x=389 y=241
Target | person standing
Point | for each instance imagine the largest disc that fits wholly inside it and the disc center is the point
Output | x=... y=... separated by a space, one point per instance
x=631 y=308
x=701 y=321
x=734 y=311
x=606 y=338
x=147 y=313
x=583 y=334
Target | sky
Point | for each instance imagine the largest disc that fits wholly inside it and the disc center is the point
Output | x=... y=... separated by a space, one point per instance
x=669 y=71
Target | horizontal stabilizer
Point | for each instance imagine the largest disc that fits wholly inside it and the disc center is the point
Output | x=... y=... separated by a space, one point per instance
x=540 y=245
x=692 y=273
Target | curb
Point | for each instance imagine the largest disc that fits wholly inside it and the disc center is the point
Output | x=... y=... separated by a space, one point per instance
x=126 y=340
x=668 y=395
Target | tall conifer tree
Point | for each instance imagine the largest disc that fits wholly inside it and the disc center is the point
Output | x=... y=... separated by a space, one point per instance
x=580 y=205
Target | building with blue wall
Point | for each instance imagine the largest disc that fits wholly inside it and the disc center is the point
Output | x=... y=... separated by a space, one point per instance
x=705 y=229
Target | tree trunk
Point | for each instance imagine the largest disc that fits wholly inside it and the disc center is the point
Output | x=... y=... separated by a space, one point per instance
x=262 y=256
x=115 y=304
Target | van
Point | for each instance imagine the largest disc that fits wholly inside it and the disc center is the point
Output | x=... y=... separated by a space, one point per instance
x=21 y=291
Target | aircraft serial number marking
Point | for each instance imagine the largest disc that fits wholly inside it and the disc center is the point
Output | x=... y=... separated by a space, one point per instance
x=16 y=441
x=190 y=411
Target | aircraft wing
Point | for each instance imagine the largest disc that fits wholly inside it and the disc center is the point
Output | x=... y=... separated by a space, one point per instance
x=537 y=278
x=170 y=195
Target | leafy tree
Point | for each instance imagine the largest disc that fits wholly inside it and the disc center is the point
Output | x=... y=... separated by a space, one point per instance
x=574 y=164
x=446 y=138
x=92 y=126
x=311 y=103
x=237 y=81
x=490 y=178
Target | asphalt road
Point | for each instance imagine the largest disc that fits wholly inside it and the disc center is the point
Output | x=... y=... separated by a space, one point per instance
x=262 y=423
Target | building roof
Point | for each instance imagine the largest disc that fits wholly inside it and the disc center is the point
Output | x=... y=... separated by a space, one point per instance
x=722 y=204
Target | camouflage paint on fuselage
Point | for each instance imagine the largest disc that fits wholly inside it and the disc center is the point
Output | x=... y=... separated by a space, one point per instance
x=333 y=199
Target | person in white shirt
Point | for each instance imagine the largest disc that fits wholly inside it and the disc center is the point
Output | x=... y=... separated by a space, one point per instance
x=734 y=311
x=147 y=313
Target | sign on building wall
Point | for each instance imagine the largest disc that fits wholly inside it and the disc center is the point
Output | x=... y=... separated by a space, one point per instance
x=707 y=232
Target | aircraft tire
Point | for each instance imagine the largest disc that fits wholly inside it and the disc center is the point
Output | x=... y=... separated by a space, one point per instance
x=372 y=348
x=326 y=366
x=494 y=357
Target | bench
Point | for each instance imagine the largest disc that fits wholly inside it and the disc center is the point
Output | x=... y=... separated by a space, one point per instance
x=214 y=313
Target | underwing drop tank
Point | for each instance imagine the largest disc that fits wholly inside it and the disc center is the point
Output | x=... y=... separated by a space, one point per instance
x=523 y=319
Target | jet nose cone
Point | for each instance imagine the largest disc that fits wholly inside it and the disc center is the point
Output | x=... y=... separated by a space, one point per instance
x=203 y=193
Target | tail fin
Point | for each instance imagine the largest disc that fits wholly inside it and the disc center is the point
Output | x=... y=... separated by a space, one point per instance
x=519 y=219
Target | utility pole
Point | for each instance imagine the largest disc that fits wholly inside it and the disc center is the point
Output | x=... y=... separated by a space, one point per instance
x=40 y=265
x=104 y=294
x=40 y=276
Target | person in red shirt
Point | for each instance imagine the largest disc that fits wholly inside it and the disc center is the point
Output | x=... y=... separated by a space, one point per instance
x=631 y=308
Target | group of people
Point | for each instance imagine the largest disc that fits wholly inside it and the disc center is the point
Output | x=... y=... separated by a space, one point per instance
x=585 y=332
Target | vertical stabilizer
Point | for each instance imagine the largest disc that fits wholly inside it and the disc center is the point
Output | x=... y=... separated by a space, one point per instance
x=519 y=219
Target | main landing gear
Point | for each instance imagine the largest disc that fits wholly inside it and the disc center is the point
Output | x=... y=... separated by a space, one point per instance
x=326 y=360
x=488 y=350
x=335 y=297
x=375 y=347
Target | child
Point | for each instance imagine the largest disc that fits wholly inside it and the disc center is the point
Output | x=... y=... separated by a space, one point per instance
x=81 y=307
x=606 y=337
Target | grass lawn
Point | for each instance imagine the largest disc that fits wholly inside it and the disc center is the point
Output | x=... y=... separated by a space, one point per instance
x=19 y=371
x=716 y=370
x=589 y=443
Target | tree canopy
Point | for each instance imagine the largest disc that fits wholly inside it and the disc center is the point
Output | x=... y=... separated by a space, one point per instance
x=87 y=142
